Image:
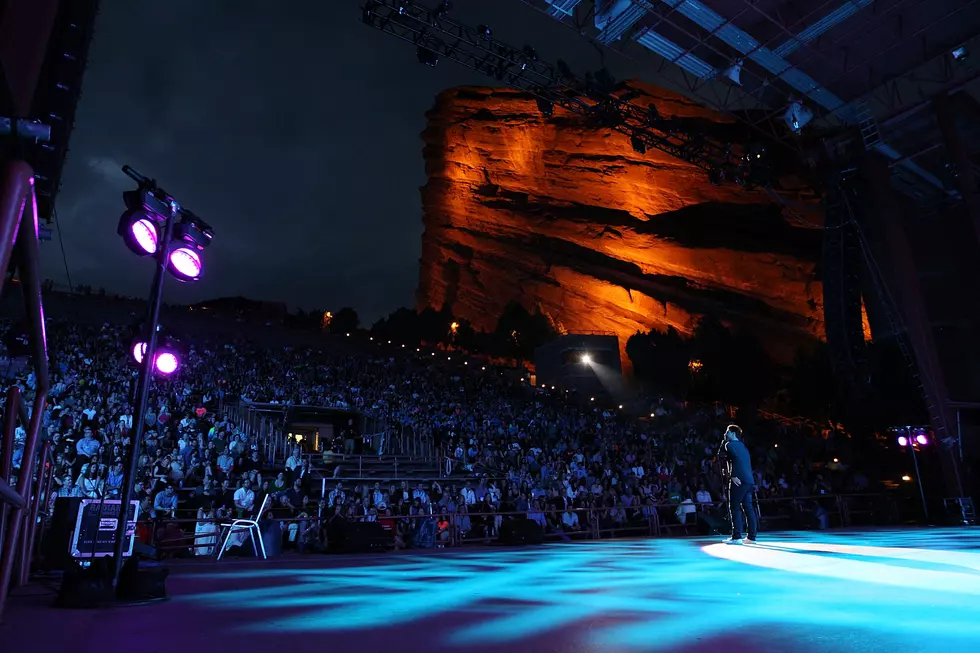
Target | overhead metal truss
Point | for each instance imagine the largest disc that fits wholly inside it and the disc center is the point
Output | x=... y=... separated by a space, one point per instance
x=693 y=44
x=597 y=98
x=697 y=39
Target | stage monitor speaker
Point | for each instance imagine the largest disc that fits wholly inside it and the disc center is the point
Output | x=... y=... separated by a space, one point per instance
x=715 y=522
x=521 y=531
x=356 y=537
x=88 y=587
x=85 y=528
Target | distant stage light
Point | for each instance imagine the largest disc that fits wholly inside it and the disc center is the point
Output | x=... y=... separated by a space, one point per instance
x=906 y=478
x=427 y=56
x=922 y=439
x=442 y=10
x=586 y=359
x=185 y=264
x=903 y=441
x=485 y=32
x=734 y=73
x=797 y=116
x=546 y=108
x=960 y=53
x=139 y=232
x=166 y=362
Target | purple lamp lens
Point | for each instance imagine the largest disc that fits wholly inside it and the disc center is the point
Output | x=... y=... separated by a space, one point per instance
x=138 y=350
x=903 y=441
x=166 y=363
x=145 y=235
x=921 y=439
x=186 y=262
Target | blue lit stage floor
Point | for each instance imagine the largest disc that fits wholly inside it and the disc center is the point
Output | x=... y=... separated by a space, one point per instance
x=897 y=590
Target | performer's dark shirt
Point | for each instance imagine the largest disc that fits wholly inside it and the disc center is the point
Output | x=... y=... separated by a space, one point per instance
x=740 y=460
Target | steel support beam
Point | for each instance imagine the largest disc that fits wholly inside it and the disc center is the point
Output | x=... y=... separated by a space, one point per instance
x=897 y=257
x=966 y=180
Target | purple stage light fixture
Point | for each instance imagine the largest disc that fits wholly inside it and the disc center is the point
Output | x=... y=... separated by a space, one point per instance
x=139 y=349
x=921 y=439
x=903 y=441
x=143 y=228
x=166 y=360
x=140 y=233
x=166 y=363
x=185 y=264
x=145 y=235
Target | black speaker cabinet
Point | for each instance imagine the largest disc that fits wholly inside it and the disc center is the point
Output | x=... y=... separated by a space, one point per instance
x=521 y=531
x=356 y=537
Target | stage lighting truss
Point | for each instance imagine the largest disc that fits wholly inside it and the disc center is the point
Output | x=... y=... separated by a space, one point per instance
x=143 y=224
x=598 y=98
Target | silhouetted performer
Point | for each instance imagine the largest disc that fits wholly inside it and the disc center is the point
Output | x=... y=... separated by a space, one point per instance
x=741 y=486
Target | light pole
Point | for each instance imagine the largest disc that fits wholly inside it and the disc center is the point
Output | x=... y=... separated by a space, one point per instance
x=149 y=228
x=913 y=437
x=143 y=387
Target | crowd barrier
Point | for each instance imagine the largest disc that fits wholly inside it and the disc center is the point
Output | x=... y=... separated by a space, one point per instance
x=607 y=522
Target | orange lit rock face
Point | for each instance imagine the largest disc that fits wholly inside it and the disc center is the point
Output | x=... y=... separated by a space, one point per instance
x=569 y=219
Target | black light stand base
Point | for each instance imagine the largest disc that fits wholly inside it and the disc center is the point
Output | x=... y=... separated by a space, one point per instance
x=141 y=585
x=91 y=588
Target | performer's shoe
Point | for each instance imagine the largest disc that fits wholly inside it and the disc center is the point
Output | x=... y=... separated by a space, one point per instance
x=750 y=540
x=733 y=540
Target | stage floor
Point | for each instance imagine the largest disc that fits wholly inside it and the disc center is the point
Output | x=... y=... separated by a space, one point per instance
x=838 y=591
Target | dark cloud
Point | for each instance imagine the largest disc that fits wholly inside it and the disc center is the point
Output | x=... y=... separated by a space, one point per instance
x=291 y=127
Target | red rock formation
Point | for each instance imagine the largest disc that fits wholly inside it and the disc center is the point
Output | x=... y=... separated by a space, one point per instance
x=567 y=218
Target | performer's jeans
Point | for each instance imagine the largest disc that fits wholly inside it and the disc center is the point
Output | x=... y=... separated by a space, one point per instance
x=739 y=500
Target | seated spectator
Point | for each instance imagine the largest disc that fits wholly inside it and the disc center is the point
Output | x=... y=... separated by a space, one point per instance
x=165 y=503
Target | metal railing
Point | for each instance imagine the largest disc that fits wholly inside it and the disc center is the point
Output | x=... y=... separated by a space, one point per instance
x=593 y=523
x=19 y=241
x=266 y=423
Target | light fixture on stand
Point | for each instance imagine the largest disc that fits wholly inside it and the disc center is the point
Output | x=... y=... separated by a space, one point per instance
x=913 y=438
x=154 y=225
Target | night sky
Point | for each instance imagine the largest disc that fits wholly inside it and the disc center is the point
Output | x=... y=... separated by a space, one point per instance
x=291 y=127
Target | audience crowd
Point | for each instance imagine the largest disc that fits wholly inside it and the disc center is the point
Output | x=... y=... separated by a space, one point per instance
x=511 y=449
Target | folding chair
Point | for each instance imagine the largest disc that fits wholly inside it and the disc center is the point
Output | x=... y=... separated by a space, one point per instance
x=250 y=525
